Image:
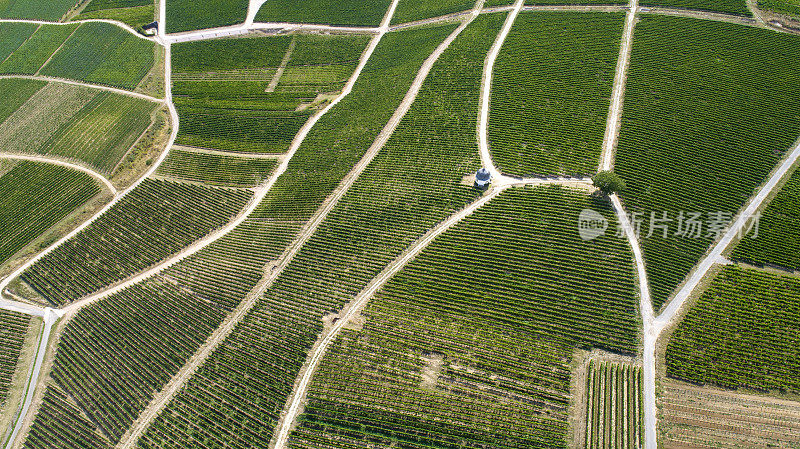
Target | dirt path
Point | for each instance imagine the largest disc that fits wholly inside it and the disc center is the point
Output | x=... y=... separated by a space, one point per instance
x=50 y=317
x=618 y=90
x=486 y=97
x=115 y=90
x=55 y=161
x=281 y=68
x=229 y=153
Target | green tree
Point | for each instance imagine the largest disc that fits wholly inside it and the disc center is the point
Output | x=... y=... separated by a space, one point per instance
x=608 y=182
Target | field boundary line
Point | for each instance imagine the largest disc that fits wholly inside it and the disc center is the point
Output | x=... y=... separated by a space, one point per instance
x=234 y=154
x=56 y=50
x=614 y=119
x=56 y=161
x=116 y=90
x=354 y=308
x=701 y=15
x=117 y=23
x=163 y=397
x=276 y=78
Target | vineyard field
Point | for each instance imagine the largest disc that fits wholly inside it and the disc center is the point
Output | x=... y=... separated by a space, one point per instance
x=93 y=128
x=14 y=35
x=102 y=53
x=778 y=239
x=330 y=12
x=13 y=327
x=614 y=406
x=36 y=196
x=98 y=5
x=15 y=92
x=742 y=85
x=29 y=57
x=103 y=131
x=228 y=98
x=742 y=333
x=383 y=212
x=134 y=17
x=215 y=169
x=188 y=15
x=227 y=270
x=156 y=220
x=413 y=10
x=479 y=337
x=790 y=7
x=52 y=10
x=550 y=93
x=210 y=283
x=738 y=7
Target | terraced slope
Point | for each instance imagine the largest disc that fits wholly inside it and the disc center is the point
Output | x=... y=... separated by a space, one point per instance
x=407 y=188
x=742 y=86
x=470 y=344
x=550 y=93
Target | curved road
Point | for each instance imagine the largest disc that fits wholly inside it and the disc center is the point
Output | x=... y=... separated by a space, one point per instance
x=115 y=90
x=49 y=160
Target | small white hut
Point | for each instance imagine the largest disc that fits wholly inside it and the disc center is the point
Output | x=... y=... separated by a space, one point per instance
x=483 y=177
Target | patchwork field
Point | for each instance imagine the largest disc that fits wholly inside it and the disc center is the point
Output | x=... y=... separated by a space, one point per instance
x=708 y=417
x=745 y=105
x=254 y=94
x=91 y=127
x=254 y=369
x=72 y=51
x=550 y=93
x=225 y=272
x=36 y=196
x=510 y=329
